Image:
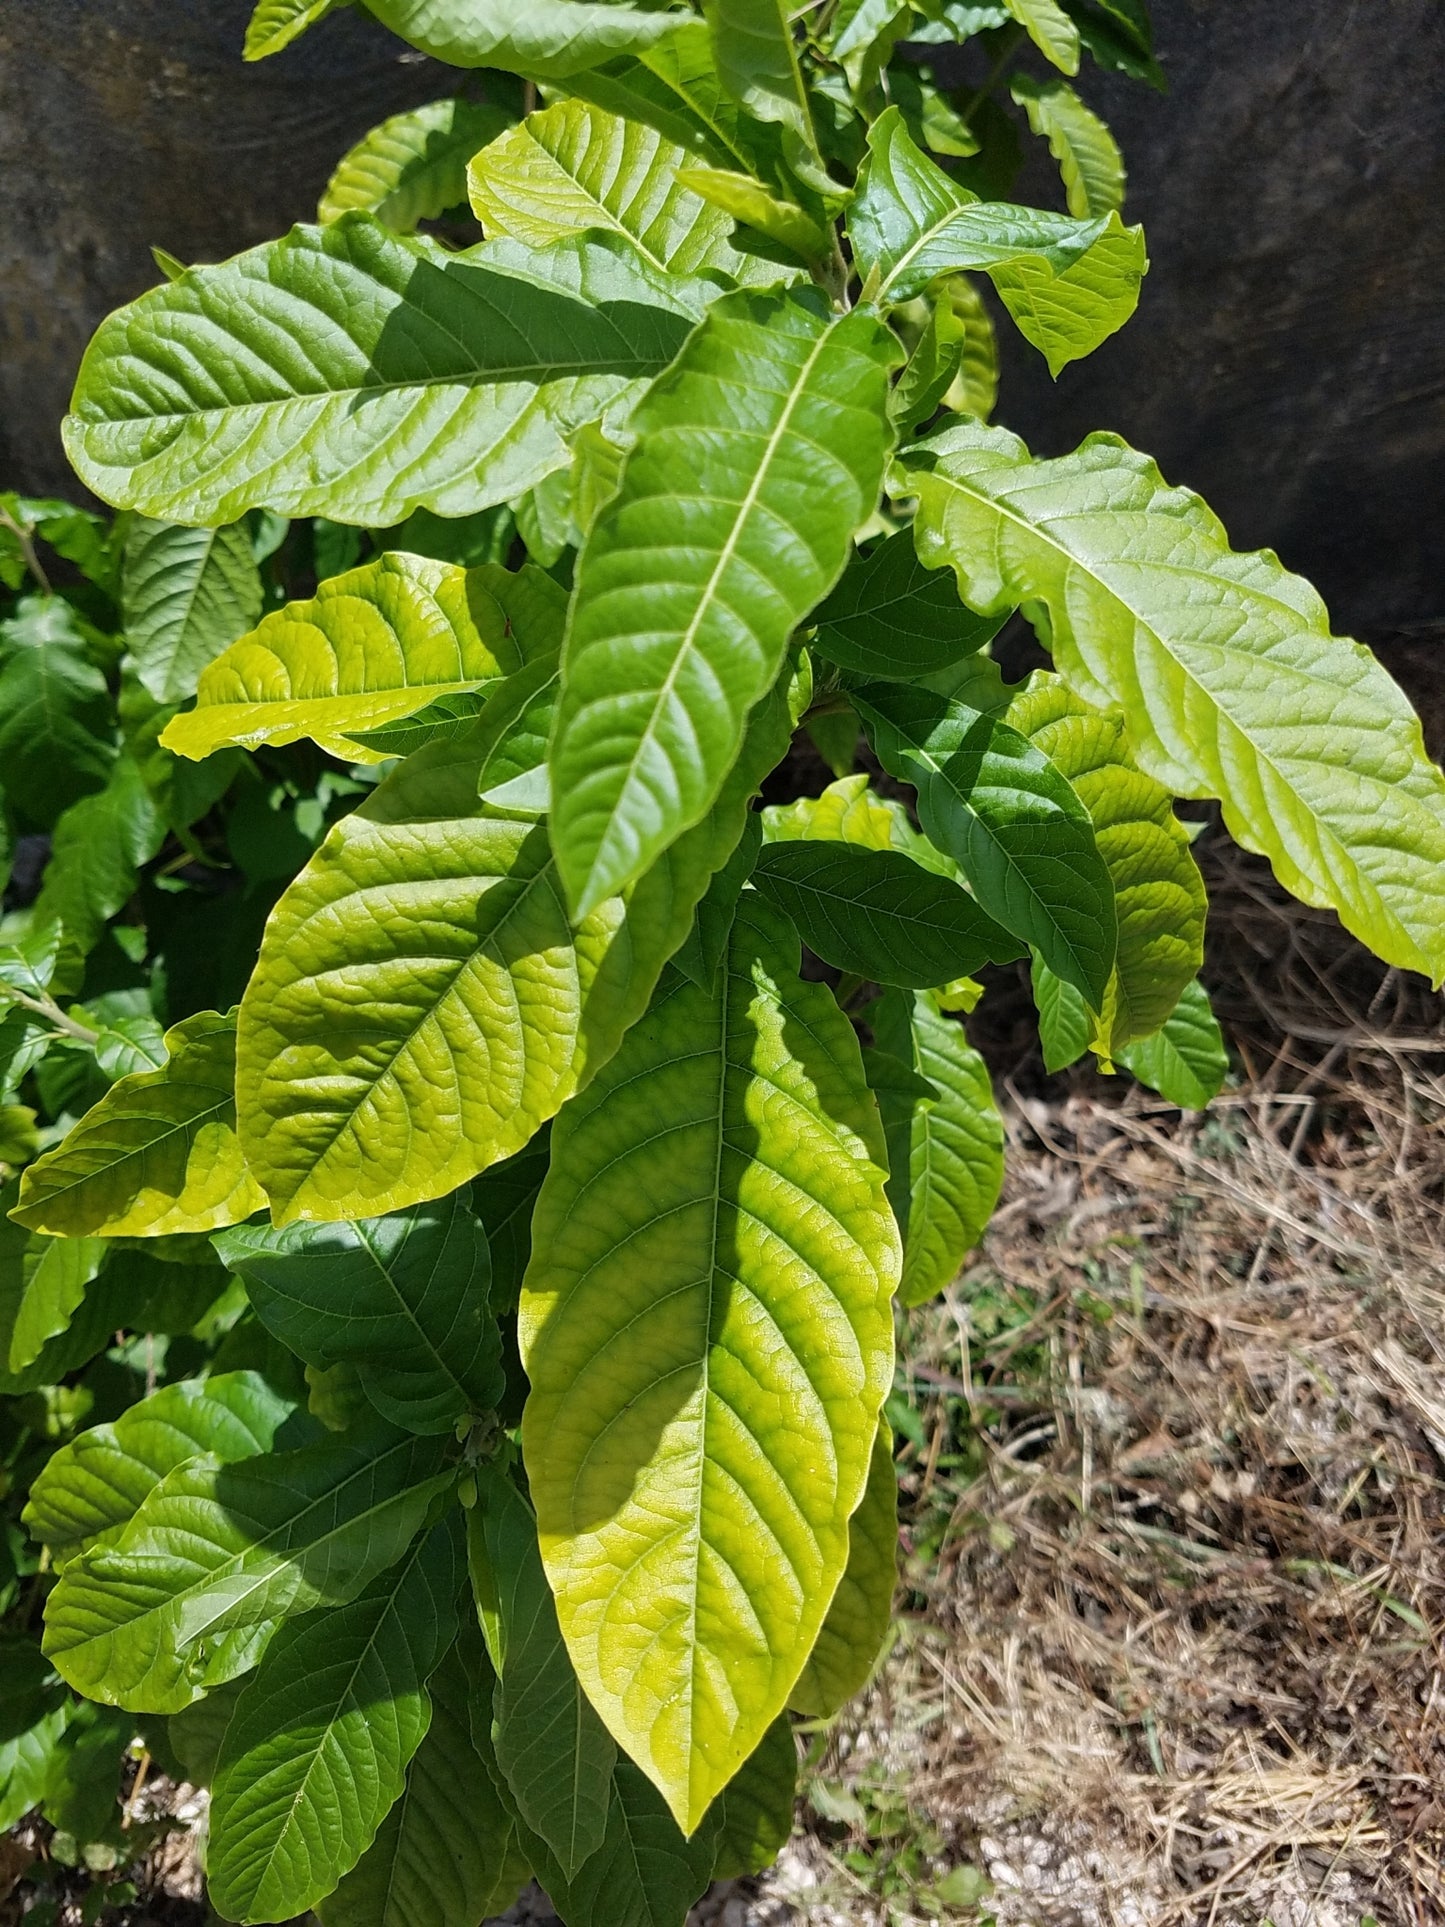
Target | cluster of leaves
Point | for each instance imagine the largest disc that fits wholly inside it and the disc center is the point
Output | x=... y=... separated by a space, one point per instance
x=515 y=1466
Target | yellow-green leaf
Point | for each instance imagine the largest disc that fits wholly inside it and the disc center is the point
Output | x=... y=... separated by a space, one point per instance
x=371 y=647
x=708 y=1295
x=1158 y=892
x=413 y=166
x=1223 y=663
x=158 y=1153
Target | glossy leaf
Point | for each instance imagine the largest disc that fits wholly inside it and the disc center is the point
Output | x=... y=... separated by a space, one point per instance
x=1223 y=664
x=1067 y=283
x=96 y=853
x=446 y=1853
x=546 y=39
x=1088 y=155
x=448 y=718
x=889 y=618
x=1051 y=30
x=707 y=941
x=449 y=381
x=503 y=1197
x=857 y=1624
x=931 y=368
x=757 y=1803
x=274 y=24
x=712 y=1261
x=412 y=167
x=756 y=459
x=1158 y=892
x=675 y=88
x=33 y=1717
x=90 y=1490
x=316 y=1751
x=373 y=646
x=157 y=1154
x=757 y=61
x=554 y=1752
x=483 y=1007
x=750 y=203
x=645 y=1873
x=1185 y=1060
x=56 y=730
x=575 y=166
x=185 y=594
x=849 y=811
x=975 y=388
x=405 y=1299
x=877 y=913
x=40 y=1295
x=1065 y=1021
x=1008 y=818
x=946 y=1152
x=217 y=1555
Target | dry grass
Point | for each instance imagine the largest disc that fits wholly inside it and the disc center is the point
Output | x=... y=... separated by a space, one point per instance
x=1171 y=1651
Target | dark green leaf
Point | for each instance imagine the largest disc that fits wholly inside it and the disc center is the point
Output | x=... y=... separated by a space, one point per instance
x=888 y=616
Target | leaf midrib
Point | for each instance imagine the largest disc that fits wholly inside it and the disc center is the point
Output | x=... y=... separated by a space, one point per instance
x=688 y=640
x=1042 y=532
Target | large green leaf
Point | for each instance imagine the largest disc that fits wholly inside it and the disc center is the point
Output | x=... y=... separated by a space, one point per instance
x=446 y=1853
x=414 y=166
x=40 y=1295
x=645 y=1873
x=554 y=1752
x=188 y=1595
x=96 y=852
x=888 y=618
x=878 y=913
x=157 y=1154
x=1185 y=1060
x=1067 y=283
x=1051 y=30
x=947 y=1151
x=33 y=1715
x=91 y=1489
x=674 y=87
x=351 y=372
x=757 y=61
x=575 y=166
x=849 y=811
x=274 y=24
x=852 y=1635
x=1158 y=892
x=707 y=941
x=708 y=1294
x=756 y=459
x=1223 y=664
x=757 y=1803
x=185 y=594
x=405 y=1299
x=1008 y=818
x=317 y=1748
x=56 y=730
x=371 y=647
x=546 y=39
x=1087 y=153
x=512 y=1010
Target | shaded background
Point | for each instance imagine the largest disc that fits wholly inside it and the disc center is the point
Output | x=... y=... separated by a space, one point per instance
x=1286 y=359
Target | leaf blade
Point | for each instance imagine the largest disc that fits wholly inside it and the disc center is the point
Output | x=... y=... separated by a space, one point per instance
x=686 y=1196
x=158 y=1153
x=1240 y=693
x=699 y=629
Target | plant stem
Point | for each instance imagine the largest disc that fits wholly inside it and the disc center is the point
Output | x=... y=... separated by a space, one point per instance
x=1010 y=46
x=27 y=549
x=47 y=1008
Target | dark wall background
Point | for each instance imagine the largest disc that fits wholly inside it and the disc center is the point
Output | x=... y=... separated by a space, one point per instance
x=1288 y=358
x=128 y=122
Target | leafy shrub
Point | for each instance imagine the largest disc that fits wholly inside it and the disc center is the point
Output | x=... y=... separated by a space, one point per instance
x=511 y=1223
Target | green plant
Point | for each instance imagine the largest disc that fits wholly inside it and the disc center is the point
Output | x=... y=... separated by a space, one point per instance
x=560 y=1149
